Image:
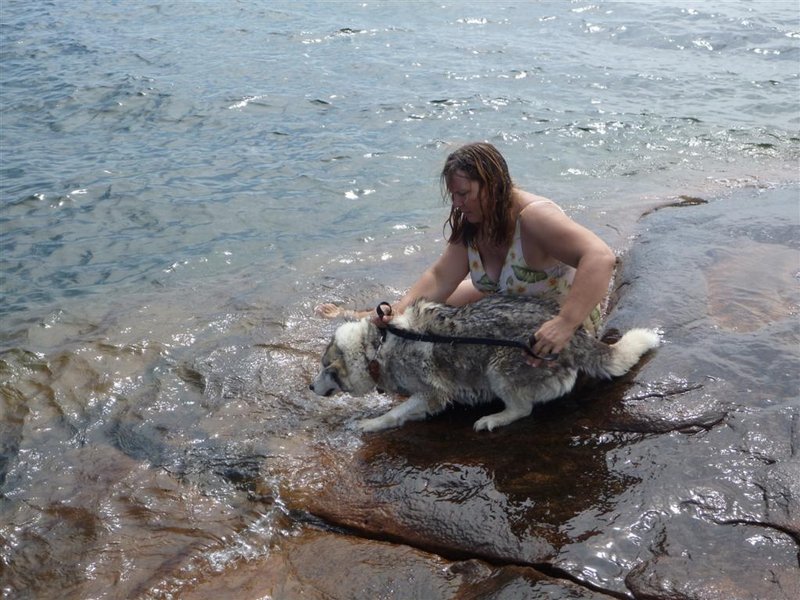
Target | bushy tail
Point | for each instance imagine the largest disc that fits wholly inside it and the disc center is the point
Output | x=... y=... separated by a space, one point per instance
x=620 y=357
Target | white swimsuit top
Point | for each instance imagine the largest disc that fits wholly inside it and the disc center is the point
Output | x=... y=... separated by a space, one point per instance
x=516 y=277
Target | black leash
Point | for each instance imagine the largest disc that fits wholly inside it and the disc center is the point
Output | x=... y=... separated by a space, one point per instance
x=449 y=339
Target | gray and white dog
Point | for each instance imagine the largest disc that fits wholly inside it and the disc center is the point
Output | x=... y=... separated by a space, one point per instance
x=362 y=357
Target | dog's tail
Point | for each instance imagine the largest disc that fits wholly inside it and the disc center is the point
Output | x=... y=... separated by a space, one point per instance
x=618 y=358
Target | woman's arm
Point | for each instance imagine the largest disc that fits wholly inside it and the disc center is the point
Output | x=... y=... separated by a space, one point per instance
x=559 y=237
x=440 y=280
x=437 y=283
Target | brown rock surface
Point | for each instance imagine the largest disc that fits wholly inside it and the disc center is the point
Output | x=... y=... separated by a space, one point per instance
x=317 y=565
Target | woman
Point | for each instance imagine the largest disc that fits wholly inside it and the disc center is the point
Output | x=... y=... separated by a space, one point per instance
x=511 y=241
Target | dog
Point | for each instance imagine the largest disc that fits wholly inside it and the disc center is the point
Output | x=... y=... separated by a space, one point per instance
x=363 y=357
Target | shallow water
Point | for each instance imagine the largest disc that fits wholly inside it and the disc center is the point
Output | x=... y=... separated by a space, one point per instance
x=181 y=183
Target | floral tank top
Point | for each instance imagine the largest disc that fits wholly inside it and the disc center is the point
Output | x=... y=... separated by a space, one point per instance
x=516 y=277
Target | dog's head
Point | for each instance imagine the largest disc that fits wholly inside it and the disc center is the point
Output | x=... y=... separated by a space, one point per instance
x=345 y=365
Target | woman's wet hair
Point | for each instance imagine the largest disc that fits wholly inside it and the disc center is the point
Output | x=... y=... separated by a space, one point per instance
x=481 y=162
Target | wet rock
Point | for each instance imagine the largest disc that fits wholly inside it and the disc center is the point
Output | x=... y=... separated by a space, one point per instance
x=716 y=503
x=708 y=540
x=670 y=405
x=682 y=201
x=781 y=486
x=669 y=578
x=441 y=486
x=318 y=565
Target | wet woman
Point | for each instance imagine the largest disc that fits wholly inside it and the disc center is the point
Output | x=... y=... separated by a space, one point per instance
x=510 y=241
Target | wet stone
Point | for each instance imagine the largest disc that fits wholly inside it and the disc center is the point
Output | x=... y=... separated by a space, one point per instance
x=318 y=565
x=670 y=405
x=781 y=486
x=678 y=579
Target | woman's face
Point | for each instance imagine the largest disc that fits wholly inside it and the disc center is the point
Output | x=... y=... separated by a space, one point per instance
x=466 y=196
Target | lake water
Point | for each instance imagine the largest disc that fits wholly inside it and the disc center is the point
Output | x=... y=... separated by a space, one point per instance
x=180 y=181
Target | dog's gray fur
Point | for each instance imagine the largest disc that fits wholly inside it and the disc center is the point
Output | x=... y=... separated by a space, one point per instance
x=437 y=374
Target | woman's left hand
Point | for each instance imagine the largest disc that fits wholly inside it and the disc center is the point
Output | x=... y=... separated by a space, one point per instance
x=551 y=338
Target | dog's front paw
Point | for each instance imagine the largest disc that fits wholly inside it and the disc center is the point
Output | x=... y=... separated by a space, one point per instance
x=501 y=419
x=376 y=424
x=486 y=423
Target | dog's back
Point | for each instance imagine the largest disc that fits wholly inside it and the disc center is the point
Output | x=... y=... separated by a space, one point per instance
x=496 y=315
x=515 y=319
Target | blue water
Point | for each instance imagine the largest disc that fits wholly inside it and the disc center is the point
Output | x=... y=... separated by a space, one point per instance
x=180 y=182
x=146 y=143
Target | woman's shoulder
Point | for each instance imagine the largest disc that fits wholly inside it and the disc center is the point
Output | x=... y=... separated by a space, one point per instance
x=541 y=218
x=532 y=206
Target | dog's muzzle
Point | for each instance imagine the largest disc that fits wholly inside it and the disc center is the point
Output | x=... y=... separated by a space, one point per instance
x=324 y=392
x=326 y=384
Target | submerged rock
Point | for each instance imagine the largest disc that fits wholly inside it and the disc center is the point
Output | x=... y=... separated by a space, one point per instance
x=317 y=565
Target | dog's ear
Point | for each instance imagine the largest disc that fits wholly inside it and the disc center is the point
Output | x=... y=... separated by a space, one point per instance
x=333 y=358
x=331 y=355
x=339 y=366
